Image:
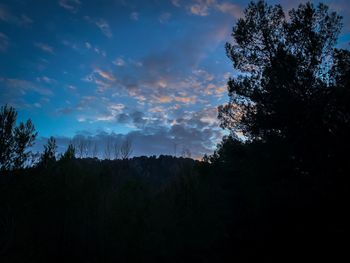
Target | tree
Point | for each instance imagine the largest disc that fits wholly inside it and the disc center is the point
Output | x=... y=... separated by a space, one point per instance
x=108 y=149
x=49 y=154
x=15 y=141
x=88 y=145
x=116 y=150
x=126 y=149
x=95 y=150
x=290 y=75
x=8 y=117
x=81 y=145
x=69 y=154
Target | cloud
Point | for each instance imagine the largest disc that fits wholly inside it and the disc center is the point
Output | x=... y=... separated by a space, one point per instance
x=191 y=50
x=164 y=17
x=105 y=74
x=117 y=107
x=95 y=49
x=157 y=119
x=186 y=100
x=161 y=99
x=203 y=7
x=44 y=47
x=47 y=80
x=102 y=78
x=24 y=86
x=64 y=111
x=109 y=112
x=133 y=119
x=157 y=109
x=86 y=103
x=176 y=3
x=104 y=27
x=4 y=42
x=6 y=16
x=70 y=5
x=71 y=87
x=71 y=45
x=102 y=24
x=14 y=90
x=114 y=111
x=119 y=62
x=134 y=16
x=194 y=133
x=88 y=45
x=203 y=74
x=229 y=8
x=165 y=73
x=199 y=10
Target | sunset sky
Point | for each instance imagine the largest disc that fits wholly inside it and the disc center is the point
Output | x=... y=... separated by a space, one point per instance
x=154 y=71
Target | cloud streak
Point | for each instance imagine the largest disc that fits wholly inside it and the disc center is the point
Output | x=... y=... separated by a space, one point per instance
x=44 y=47
x=134 y=16
x=70 y=5
x=4 y=42
x=102 y=25
x=203 y=8
x=8 y=17
x=105 y=74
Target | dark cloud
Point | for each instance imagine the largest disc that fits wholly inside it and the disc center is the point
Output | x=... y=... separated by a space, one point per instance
x=65 y=111
x=70 y=5
x=13 y=90
x=194 y=133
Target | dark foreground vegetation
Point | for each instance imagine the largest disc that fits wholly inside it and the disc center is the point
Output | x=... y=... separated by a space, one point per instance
x=169 y=209
x=277 y=186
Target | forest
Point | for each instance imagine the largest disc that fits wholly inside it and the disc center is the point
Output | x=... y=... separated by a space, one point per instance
x=274 y=188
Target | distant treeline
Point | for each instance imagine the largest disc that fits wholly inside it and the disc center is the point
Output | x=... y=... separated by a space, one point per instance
x=16 y=143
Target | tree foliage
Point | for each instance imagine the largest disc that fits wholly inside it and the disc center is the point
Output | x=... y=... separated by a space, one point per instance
x=69 y=154
x=15 y=141
x=294 y=84
x=49 y=154
x=126 y=148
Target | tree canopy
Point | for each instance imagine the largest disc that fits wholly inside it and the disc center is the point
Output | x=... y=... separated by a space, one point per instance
x=49 y=154
x=293 y=85
x=15 y=141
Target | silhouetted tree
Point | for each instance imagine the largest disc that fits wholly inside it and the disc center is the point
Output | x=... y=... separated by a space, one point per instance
x=95 y=150
x=87 y=147
x=291 y=75
x=8 y=117
x=126 y=149
x=69 y=154
x=81 y=145
x=175 y=148
x=116 y=150
x=108 y=148
x=49 y=154
x=15 y=141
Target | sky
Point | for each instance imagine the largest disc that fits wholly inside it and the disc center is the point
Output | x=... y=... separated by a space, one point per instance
x=152 y=71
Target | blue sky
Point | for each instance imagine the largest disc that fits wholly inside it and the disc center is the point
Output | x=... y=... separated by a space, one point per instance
x=154 y=71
